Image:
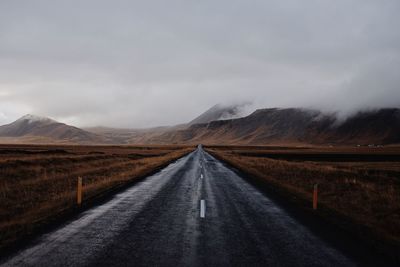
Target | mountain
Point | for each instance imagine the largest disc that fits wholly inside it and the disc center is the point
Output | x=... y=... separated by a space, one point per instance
x=37 y=129
x=368 y=127
x=291 y=126
x=294 y=126
x=161 y=134
x=219 y=112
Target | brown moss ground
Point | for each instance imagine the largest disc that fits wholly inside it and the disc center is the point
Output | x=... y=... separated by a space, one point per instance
x=38 y=183
x=366 y=194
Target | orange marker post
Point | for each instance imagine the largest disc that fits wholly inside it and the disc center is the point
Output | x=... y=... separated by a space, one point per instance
x=79 y=192
x=315 y=197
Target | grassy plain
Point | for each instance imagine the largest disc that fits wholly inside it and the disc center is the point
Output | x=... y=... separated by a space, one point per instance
x=38 y=183
x=359 y=187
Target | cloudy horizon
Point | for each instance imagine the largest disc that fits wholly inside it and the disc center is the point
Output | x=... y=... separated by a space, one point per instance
x=134 y=64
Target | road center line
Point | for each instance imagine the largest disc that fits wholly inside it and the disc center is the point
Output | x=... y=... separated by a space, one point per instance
x=202 y=208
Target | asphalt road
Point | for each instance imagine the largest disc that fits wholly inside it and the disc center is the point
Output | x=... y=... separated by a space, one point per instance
x=195 y=212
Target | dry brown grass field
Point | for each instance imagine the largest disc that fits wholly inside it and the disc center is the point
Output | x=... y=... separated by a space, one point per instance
x=38 y=183
x=359 y=185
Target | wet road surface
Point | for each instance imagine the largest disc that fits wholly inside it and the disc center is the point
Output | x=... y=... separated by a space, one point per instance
x=195 y=212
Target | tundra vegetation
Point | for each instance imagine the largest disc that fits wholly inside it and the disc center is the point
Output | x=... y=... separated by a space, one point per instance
x=359 y=187
x=39 y=183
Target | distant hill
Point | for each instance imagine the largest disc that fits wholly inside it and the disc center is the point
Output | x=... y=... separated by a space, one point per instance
x=294 y=126
x=161 y=134
x=131 y=136
x=274 y=126
x=37 y=129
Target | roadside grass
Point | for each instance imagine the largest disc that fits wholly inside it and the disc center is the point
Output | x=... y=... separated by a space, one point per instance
x=38 y=183
x=366 y=195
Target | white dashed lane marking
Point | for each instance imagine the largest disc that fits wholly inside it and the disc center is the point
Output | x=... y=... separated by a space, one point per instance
x=202 y=208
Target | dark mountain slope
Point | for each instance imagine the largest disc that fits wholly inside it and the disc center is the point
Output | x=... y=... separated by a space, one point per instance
x=263 y=127
x=219 y=112
x=272 y=126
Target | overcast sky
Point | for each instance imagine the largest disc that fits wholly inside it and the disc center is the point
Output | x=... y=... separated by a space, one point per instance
x=146 y=63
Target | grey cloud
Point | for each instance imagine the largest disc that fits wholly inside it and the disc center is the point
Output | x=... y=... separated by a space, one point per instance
x=147 y=63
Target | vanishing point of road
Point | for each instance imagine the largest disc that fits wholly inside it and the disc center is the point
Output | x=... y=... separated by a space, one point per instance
x=195 y=212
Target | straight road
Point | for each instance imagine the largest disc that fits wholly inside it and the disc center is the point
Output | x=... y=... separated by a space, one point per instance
x=195 y=212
